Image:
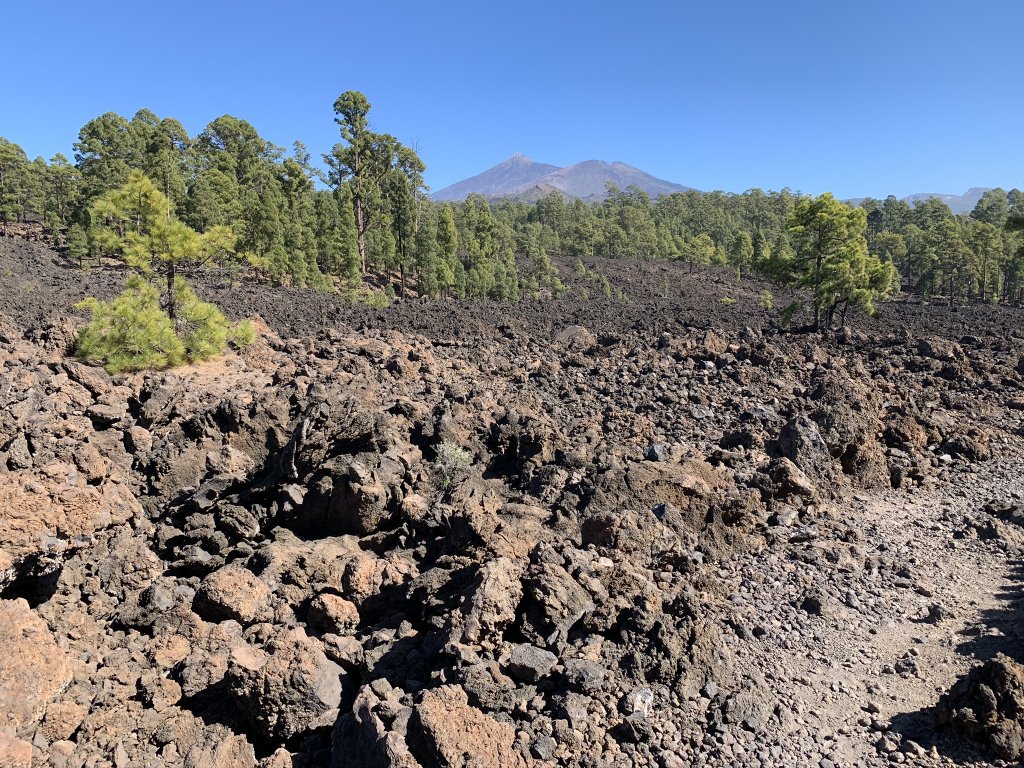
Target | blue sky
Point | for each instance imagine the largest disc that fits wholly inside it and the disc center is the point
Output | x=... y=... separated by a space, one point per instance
x=857 y=98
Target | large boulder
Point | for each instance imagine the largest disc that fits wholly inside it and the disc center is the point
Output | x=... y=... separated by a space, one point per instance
x=362 y=739
x=987 y=706
x=286 y=687
x=52 y=510
x=33 y=669
x=446 y=732
x=555 y=601
x=234 y=593
x=494 y=601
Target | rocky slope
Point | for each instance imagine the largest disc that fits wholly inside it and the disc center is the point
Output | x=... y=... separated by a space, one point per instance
x=373 y=539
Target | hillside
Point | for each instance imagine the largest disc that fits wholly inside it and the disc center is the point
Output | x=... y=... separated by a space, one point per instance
x=521 y=178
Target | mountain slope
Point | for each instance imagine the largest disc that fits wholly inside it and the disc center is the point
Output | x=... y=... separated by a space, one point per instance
x=510 y=176
x=587 y=180
x=521 y=178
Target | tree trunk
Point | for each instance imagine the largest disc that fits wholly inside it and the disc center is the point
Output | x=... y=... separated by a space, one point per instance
x=170 y=291
x=360 y=231
x=830 y=315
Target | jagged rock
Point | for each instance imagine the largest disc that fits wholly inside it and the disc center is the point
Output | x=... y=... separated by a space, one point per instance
x=14 y=752
x=50 y=511
x=443 y=725
x=971 y=445
x=281 y=758
x=491 y=689
x=494 y=600
x=361 y=739
x=584 y=675
x=940 y=349
x=987 y=706
x=847 y=412
x=576 y=337
x=801 y=442
x=556 y=602
x=333 y=614
x=352 y=494
x=790 y=481
x=33 y=670
x=751 y=707
x=234 y=593
x=286 y=687
x=530 y=663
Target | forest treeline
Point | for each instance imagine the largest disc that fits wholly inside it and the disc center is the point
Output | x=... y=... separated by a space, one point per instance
x=365 y=211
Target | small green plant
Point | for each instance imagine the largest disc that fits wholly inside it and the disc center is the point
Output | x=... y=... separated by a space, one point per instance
x=727 y=301
x=665 y=287
x=585 y=294
x=450 y=464
x=368 y=296
x=786 y=318
x=767 y=301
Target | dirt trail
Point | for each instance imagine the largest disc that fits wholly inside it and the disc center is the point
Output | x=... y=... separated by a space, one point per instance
x=937 y=593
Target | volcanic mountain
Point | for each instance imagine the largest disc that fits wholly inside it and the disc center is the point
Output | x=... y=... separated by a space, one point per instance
x=523 y=179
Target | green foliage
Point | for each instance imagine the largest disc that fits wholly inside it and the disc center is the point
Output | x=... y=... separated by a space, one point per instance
x=201 y=326
x=78 y=243
x=741 y=252
x=829 y=258
x=450 y=465
x=789 y=313
x=766 y=301
x=376 y=214
x=135 y=223
x=133 y=332
x=242 y=334
x=130 y=333
x=379 y=299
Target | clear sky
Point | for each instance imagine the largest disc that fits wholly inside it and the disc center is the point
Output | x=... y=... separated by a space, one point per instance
x=859 y=98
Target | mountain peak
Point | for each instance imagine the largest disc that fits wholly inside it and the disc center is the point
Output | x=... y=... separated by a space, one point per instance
x=520 y=177
x=518 y=159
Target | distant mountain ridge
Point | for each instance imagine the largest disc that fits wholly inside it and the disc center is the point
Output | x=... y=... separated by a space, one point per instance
x=523 y=179
x=957 y=203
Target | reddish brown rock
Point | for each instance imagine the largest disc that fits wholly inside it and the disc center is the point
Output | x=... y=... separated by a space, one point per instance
x=286 y=687
x=234 y=593
x=14 y=753
x=33 y=670
x=461 y=736
x=333 y=614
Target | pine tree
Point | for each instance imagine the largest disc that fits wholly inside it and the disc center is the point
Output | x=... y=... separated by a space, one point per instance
x=135 y=223
x=830 y=258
